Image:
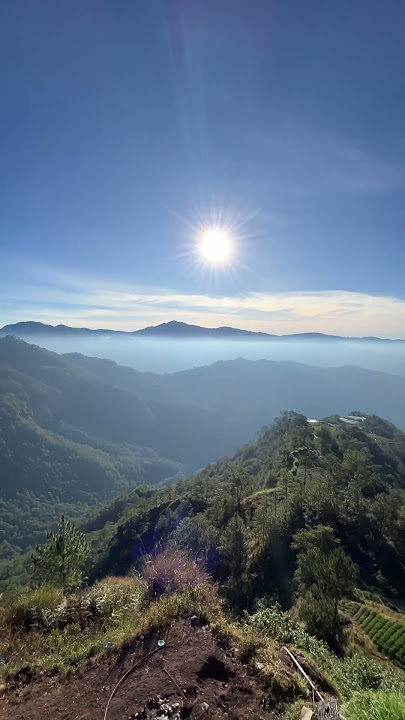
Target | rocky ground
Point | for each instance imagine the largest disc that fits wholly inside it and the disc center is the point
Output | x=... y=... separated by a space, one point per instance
x=191 y=677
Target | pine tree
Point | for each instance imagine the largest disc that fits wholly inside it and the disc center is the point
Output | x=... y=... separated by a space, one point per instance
x=61 y=559
x=234 y=553
x=324 y=575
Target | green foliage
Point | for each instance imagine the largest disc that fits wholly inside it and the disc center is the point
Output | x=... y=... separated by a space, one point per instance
x=371 y=705
x=42 y=631
x=329 y=496
x=271 y=621
x=324 y=575
x=347 y=675
x=60 y=561
x=386 y=632
x=50 y=463
x=28 y=608
x=240 y=516
x=234 y=555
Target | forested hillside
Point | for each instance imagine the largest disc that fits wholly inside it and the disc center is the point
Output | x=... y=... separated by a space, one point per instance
x=242 y=515
x=248 y=394
x=49 y=466
x=120 y=405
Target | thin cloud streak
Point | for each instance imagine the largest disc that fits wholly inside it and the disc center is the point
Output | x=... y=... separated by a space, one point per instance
x=95 y=302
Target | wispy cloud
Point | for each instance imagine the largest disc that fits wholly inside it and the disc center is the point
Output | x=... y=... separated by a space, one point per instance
x=76 y=300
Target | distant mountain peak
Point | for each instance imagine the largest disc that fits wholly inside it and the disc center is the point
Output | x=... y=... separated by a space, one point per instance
x=177 y=329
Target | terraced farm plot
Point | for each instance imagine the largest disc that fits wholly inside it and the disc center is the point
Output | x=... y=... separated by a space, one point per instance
x=387 y=633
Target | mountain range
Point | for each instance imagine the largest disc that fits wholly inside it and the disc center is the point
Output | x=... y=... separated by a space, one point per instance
x=76 y=429
x=172 y=329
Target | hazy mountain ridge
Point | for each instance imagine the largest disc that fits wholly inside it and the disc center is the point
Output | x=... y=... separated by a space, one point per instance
x=263 y=386
x=176 y=329
x=115 y=412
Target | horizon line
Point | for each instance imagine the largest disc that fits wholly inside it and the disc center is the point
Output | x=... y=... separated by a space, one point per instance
x=203 y=327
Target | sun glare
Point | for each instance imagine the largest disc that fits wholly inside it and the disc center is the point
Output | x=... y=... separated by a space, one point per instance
x=215 y=245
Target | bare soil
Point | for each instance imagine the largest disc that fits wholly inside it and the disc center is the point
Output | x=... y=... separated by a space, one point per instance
x=192 y=673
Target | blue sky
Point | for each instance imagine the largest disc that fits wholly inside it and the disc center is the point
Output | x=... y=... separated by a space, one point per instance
x=125 y=126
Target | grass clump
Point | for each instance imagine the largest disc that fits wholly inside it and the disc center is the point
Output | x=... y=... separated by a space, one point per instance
x=43 y=631
x=293 y=711
x=28 y=608
x=375 y=705
x=62 y=633
x=172 y=570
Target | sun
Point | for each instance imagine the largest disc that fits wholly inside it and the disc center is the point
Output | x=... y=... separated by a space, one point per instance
x=215 y=245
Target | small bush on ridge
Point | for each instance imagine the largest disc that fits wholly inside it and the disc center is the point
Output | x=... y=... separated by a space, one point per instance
x=173 y=571
x=26 y=608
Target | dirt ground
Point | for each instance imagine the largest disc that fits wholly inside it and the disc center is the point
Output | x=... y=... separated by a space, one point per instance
x=202 y=680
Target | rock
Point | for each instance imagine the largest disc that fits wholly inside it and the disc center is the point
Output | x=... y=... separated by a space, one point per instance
x=306 y=713
x=204 y=706
x=175 y=706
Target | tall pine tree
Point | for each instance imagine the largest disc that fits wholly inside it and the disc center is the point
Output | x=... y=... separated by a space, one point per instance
x=61 y=559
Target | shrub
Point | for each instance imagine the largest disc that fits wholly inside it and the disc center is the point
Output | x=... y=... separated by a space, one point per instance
x=360 y=673
x=173 y=571
x=46 y=632
x=46 y=608
x=106 y=599
x=28 y=607
x=371 y=705
x=272 y=621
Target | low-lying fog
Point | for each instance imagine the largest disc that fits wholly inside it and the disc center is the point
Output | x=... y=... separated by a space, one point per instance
x=163 y=356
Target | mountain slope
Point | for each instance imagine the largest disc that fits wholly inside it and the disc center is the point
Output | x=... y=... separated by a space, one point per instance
x=49 y=466
x=240 y=515
x=45 y=474
x=257 y=390
x=78 y=396
x=192 y=416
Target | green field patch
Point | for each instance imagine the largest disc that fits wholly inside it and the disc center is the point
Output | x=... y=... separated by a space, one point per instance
x=386 y=632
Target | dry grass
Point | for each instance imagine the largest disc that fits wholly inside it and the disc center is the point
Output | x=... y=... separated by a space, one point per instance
x=171 y=571
x=262 y=654
x=63 y=633
x=27 y=609
x=42 y=632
